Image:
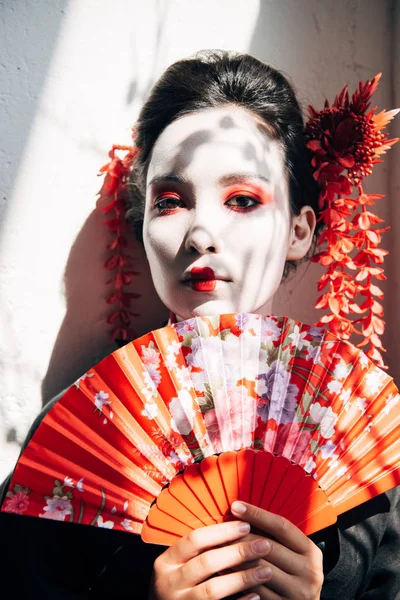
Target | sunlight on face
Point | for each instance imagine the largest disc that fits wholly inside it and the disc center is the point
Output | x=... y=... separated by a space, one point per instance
x=216 y=199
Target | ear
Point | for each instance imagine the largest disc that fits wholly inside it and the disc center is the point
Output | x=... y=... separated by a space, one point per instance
x=301 y=235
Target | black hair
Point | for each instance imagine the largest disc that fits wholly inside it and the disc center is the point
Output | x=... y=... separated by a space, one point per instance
x=215 y=78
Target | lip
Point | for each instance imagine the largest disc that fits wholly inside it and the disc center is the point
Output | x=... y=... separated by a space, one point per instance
x=202 y=274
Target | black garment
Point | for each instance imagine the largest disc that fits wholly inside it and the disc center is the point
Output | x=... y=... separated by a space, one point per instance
x=47 y=559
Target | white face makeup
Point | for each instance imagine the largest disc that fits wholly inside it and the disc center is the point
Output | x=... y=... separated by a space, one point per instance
x=217 y=226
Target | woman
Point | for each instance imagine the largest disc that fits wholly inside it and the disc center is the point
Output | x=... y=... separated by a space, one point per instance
x=224 y=199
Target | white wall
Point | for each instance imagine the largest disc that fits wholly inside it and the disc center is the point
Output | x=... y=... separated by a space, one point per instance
x=73 y=76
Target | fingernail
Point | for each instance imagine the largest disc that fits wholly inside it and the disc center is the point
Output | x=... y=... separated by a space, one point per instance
x=261 y=546
x=238 y=507
x=244 y=527
x=254 y=597
x=263 y=573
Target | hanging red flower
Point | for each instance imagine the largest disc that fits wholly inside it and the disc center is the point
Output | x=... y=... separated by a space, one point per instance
x=119 y=261
x=346 y=142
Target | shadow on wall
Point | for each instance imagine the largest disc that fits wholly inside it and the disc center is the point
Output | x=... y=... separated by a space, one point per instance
x=156 y=50
x=84 y=335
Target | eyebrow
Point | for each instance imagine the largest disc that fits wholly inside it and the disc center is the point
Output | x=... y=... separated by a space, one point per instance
x=225 y=180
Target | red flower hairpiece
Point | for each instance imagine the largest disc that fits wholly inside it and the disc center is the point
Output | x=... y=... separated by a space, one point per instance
x=120 y=260
x=346 y=142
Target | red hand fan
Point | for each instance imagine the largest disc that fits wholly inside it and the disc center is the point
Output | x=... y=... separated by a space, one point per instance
x=162 y=435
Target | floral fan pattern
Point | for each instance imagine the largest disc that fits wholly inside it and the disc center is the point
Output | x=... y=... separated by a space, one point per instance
x=203 y=387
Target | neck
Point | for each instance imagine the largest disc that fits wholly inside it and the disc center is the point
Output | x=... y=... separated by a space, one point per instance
x=266 y=309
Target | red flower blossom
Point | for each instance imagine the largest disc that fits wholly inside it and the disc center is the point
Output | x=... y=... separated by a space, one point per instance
x=346 y=142
x=17 y=502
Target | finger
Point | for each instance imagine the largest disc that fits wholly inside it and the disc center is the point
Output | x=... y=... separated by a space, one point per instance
x=251 y=564
x=287 y=560
x=280 y=583
x=266 y=594
x=282 y=557
x=216 y=560
x=274 y=525
x=202 y=539
x=227 y=585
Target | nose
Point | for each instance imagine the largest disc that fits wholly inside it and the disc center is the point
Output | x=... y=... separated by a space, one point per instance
x=202 y=240
x=203 y=235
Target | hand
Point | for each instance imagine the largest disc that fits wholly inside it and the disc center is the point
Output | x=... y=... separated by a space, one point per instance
x=186 y=570
x=295 y=561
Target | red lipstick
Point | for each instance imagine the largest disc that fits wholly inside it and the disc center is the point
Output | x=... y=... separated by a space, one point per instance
x=202 y=279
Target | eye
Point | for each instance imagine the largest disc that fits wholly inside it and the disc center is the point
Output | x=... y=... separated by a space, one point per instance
x=242 y=202
x=168 y=203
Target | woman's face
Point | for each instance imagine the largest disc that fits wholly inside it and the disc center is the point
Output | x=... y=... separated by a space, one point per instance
x=217 y=225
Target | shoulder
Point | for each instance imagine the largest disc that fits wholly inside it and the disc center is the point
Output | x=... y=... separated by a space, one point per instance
x=362 y=552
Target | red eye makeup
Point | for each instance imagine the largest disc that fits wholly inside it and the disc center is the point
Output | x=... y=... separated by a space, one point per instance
x=171 y=198
x=251 y=193
x=248 y=197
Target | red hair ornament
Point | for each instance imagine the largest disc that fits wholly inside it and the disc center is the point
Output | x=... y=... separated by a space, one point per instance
x=120 y=261
x=346 y=142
